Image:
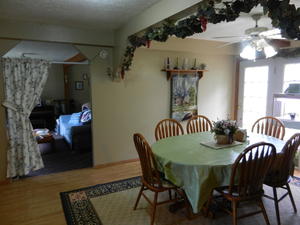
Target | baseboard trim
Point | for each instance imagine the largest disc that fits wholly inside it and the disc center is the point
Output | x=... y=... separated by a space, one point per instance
x=6 y=181
x=115 y=163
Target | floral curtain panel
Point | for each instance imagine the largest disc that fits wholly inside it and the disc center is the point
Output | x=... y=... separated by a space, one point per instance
x=24 y=80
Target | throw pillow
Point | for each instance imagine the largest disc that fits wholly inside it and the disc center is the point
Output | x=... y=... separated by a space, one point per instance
x=86 y=117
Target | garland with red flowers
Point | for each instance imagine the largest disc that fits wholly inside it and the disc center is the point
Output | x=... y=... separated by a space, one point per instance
x=284 y=16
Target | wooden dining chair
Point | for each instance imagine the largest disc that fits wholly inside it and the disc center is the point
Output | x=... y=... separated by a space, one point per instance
x=198 y=124
x=282 y=171
x=151 y=179
x=269 y=126
x=247 y=176
x=168 y=128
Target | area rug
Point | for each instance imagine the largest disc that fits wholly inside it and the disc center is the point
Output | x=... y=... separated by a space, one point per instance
x=112 y=204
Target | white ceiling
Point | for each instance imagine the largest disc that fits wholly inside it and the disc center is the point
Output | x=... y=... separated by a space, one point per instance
x=93 y=14
x=43 y=50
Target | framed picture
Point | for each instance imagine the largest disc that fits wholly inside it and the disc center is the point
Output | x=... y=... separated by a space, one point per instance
x=79 y=85
x=184 y=91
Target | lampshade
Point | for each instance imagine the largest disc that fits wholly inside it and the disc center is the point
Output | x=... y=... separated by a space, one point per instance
x=257 y=45
x=269 y=51
x=248 y=52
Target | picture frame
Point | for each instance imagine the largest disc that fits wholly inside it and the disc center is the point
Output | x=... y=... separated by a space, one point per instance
x=79 y=85
x=184 y=92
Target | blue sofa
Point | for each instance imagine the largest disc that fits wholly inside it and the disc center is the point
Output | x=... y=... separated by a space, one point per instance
x=76 y=134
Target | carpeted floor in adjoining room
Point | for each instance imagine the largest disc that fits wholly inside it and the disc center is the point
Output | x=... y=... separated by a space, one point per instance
x=61 y=158
x=112 y=203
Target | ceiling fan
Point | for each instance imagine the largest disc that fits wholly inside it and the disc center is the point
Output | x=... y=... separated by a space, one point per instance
x=258 y=35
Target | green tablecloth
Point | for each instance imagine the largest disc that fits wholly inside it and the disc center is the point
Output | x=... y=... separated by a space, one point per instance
x=197 y=168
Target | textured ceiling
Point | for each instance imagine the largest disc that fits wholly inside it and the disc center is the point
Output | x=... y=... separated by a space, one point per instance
x=43 y=50
x=93 y=14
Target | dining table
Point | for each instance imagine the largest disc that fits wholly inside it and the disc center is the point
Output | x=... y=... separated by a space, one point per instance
x=190 y=164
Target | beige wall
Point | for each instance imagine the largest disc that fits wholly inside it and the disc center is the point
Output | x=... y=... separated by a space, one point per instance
x=139 y=102
x=54 y=88
x=79 y=96
x=5 y=45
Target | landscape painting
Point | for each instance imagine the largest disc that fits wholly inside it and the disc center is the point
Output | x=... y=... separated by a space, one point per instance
x=184 y=93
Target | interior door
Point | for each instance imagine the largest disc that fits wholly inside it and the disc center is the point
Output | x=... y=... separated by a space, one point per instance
x=253 y=92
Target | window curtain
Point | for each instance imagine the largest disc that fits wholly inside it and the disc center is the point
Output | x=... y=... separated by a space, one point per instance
x=24 y=80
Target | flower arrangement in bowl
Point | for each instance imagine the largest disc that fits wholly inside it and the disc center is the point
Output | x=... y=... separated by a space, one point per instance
x=224 y=131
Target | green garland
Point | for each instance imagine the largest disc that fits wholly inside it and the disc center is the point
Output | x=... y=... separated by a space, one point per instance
x=284 y=16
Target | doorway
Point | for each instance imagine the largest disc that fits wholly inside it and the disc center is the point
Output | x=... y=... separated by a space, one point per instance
x=64 y=135
x=253 y=92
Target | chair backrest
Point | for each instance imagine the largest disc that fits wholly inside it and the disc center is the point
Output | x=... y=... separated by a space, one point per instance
x=168 y=128
x=149 y=171
x=198 y=124
x=269 y=126
x=250 y=169
x=285 y=159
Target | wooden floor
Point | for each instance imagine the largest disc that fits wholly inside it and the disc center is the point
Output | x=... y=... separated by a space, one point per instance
x=36 y=201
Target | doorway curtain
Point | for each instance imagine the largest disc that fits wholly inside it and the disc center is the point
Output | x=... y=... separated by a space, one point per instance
x=24 y=80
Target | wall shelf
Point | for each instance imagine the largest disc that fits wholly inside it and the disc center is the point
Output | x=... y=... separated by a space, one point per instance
x=171 y=72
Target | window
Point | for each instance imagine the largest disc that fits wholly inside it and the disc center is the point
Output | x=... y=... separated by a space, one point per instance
x=291 y=75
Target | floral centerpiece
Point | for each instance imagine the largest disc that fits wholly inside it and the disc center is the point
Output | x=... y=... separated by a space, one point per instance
x=224 y=131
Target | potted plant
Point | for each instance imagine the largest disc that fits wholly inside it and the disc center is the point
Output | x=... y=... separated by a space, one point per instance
x=224 y=131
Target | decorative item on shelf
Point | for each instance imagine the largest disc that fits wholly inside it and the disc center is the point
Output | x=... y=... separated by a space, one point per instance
x=167 y=63
x=292 y=115
x=185 y=64
x=293 y=88
x=195 y=65
x=203 y=66
x=177 y=64
x=224 y=131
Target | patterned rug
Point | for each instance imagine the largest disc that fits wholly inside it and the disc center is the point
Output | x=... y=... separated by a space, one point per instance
x=112 y=204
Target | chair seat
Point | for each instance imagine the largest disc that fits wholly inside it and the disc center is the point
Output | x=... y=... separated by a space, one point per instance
x=275 y=181
x=224 y=190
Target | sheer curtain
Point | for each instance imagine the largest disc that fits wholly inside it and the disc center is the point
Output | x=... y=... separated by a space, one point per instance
x=24 y=80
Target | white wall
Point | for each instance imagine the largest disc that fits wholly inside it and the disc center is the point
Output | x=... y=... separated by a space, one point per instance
x=54 y=88
x=79 y=96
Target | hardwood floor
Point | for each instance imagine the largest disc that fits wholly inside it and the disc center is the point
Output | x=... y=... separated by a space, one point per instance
x=36 y=201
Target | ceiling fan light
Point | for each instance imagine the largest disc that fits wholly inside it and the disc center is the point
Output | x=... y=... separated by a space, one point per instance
x=248 y=53
x=269 y=51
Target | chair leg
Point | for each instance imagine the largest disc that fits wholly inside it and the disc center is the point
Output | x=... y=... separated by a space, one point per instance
x=291 y=197
x=139 y=197
x=261 y=205
x=154 y=208
x=170 y=194
x=276 y=205
x=234 y=212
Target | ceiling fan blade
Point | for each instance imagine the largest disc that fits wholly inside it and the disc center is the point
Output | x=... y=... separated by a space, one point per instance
x=275 y=33
x=279 y=43
x=221 y=37
x=227 y=44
